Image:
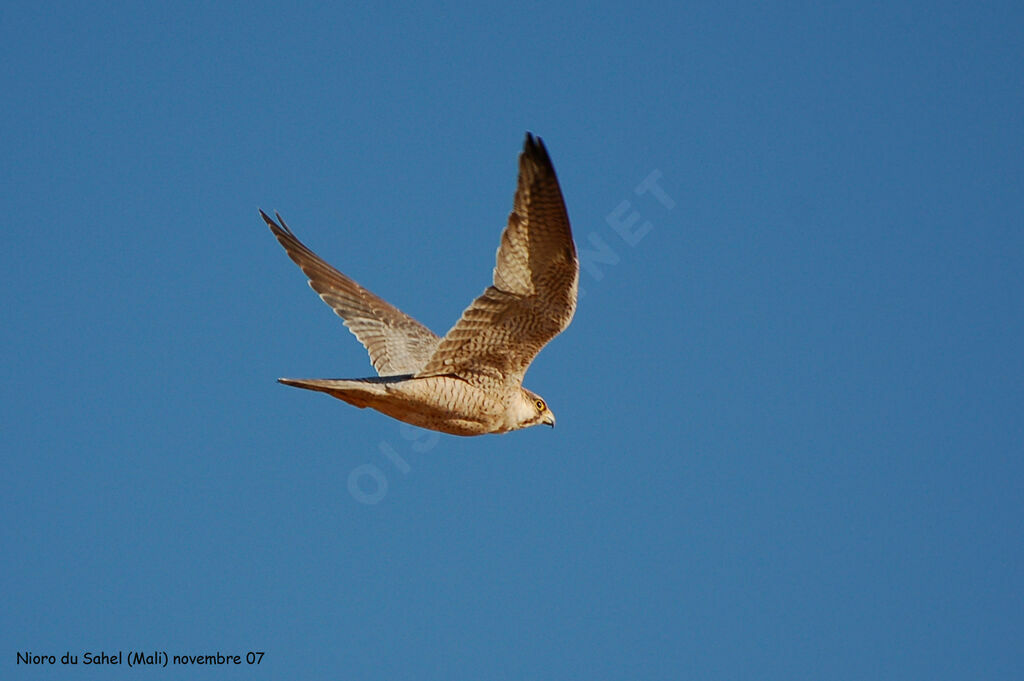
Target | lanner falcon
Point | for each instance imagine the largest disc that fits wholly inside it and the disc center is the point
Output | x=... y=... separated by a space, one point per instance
x=470 y=381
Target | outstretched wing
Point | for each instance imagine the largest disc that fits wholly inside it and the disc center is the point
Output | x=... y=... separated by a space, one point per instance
x=397 y=343
x=535 y=282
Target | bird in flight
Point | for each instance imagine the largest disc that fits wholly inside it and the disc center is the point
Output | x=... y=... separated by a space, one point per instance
x=470 y=381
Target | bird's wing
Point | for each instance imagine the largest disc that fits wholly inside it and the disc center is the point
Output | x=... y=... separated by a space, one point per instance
x=397 y=343
x=535 y=283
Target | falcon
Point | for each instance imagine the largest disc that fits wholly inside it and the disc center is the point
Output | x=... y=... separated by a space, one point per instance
x=470 y=382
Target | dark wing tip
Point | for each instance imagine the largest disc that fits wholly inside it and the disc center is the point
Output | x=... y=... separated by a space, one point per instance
x=534 y=149
x=269 y=220
x=277 y=229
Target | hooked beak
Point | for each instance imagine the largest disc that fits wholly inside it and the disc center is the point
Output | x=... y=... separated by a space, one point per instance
x=549 y=420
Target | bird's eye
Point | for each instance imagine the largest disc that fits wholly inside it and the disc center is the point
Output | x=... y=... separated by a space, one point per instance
x=540 y=404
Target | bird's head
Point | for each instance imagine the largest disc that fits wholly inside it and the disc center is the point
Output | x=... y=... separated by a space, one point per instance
x=531 y=410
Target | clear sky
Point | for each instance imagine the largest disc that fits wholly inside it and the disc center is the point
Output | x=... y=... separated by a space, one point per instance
x=789 y=439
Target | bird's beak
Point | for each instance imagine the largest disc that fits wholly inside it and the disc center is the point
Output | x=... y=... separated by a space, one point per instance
x=549 y=420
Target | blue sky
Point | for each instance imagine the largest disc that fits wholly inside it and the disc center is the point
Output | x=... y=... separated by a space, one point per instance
x=789 y=416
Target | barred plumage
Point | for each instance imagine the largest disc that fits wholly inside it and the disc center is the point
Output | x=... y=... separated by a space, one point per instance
x=470 y=381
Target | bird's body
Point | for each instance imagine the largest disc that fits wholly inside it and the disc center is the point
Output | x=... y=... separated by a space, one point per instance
x=470 y=381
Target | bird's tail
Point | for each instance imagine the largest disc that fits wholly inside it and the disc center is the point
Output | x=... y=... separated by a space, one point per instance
x=360 y=393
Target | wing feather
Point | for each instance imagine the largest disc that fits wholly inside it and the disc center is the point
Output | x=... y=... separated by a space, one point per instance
x=533 y=296
x=397 y=343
